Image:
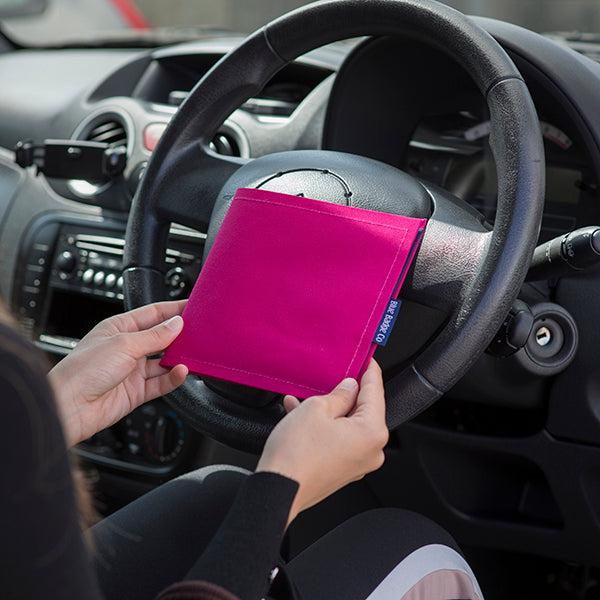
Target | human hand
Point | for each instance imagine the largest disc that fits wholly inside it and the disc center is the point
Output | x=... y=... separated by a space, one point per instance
x=328 y=441
x=108 y=373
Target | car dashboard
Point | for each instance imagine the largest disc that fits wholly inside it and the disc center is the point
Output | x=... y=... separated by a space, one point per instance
x=507 y=454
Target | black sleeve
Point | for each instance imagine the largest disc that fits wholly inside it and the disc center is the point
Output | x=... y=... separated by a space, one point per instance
x=246 y=547
x=42 y=553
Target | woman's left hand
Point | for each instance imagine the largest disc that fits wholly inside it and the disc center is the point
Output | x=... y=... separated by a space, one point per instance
x=108 y=374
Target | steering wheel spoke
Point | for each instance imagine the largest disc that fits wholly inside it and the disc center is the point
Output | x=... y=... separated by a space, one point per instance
x=216 y=415
x=449 y=255
x=200 y=174
x=199 y=182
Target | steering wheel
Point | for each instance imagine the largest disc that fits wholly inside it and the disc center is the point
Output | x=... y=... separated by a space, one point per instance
x=462 y=268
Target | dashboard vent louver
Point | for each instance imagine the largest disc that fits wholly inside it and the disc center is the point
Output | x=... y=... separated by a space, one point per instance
x=109 y=132
x=225 y=144
x=107 y=128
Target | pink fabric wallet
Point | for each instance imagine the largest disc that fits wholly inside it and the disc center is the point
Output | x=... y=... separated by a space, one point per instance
x=294 y=292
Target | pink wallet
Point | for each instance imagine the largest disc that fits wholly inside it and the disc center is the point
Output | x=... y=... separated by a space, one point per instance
x=295 y=293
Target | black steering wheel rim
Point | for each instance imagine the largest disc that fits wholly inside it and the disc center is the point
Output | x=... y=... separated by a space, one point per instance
x=493 y=284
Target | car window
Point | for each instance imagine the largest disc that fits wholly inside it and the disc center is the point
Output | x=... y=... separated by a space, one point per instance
x=63 y=21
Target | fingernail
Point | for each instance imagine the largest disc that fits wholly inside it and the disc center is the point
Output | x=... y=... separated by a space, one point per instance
x=348 y=384
x=174 y=323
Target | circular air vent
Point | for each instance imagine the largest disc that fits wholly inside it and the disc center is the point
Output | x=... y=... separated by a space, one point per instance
x=225 y=144
x=108 y=128
x=108 y=131
x=230 y=140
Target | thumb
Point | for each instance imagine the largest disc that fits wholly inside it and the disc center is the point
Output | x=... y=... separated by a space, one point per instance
x=343 y=397
x=157 y=338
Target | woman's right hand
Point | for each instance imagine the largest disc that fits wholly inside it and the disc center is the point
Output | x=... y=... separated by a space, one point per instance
x=325 y=442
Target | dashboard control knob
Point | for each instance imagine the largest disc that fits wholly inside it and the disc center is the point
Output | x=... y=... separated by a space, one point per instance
x=177 y=283
x=133 y=448
x=165 y=437
x=99 y=278
x=111 y=280
x=66 y=262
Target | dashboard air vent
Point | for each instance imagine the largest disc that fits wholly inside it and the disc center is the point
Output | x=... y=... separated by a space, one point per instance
x=109 y=132
x=225 y=144
x=107 y=128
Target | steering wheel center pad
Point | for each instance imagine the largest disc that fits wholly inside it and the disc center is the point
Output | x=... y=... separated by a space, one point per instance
x=328 y=176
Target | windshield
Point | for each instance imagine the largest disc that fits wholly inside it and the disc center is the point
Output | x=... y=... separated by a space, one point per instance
x=39 y=22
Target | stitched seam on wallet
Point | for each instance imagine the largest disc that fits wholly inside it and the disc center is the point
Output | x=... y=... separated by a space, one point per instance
x=347 y=217
x=376 y=302
x=246 y=372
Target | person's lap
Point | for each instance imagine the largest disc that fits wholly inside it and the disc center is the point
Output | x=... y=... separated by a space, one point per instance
x=155 y=540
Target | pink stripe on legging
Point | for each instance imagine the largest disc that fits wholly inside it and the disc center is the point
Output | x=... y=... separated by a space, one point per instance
x=442 y=585
x=432 y=572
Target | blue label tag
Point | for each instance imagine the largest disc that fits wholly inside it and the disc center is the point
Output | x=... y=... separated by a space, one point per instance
x=387 y=322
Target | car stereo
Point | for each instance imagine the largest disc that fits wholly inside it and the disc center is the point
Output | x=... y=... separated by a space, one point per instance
x=71 y=278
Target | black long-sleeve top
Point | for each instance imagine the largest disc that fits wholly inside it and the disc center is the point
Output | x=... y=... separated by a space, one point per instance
x=43 y=554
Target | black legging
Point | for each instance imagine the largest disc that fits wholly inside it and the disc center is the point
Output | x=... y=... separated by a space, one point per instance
x=155 y=540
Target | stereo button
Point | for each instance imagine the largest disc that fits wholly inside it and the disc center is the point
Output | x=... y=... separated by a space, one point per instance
x=111 y=280
x=99 y=278
x=88 y=276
